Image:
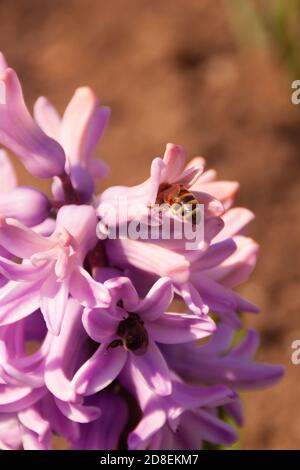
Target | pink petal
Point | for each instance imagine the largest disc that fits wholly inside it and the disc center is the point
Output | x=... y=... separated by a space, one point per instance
x=59 y=423
x=210 y=428
x=207 y=176
x=235 y=410
x=100 y=370
x=12 y=394
x=154 y=370
x=27 y=205
x=82 y=126
x=120 y=204
x=104 y=433
x=224 y=191
x=63 y=353
x=247 y=347
x=32 y=420
x=192 y=172
x=220 y=341
x=10 y=429
x=214 y=294
x=82 y=182
x=174 y=159
x=46 y=228
x=156 y=301
x=21 y=272
x=150 y=423
x=215 y=254
x=3 y=63
x=87 y=291
x=47 y=117
x=149 y=257
x=192 y=298
x=243 y=305
x=219 y=299
x=156 y=177
x=235 y=221
x=28 y=370
x=80 y=222
x=14 y=399
x=8 y=179
x=41 y=155
x=212 y=227
x=54 y=297
x=20 y=240
x=212 y=206
x=99 y=324
x=99 y=168
x=31 y=441
x=196 y=162
x=121 y=288
x=18 y=300
x=173 y=328
x=190 y=396
x=237 y=268
x=78 y=412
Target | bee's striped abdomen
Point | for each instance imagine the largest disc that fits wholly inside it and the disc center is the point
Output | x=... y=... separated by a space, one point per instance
x=185 y=205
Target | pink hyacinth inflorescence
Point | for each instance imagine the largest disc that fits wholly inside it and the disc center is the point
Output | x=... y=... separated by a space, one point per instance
x=113 y=342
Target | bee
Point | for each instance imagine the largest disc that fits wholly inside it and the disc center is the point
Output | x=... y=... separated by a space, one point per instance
x=182 y=202
x=133 y=335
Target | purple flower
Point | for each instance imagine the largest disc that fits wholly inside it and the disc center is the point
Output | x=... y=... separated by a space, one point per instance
x=181 y=420
x=204 y=279
x=28 y=205
x=94 y=348
x=105 y=432
x=25 y=429
x=78 y=132
x=52 y=267
x=32 y=427
x=49 y=146
x=41 y=155
x=220 y=362
x=164 y=172
x=129 y=331
x=29 y=413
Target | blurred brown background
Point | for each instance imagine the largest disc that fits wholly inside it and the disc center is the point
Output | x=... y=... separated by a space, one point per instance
x=208 y=75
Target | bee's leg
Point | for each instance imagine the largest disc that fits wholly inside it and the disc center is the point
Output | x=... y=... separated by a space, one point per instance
x=114 y=344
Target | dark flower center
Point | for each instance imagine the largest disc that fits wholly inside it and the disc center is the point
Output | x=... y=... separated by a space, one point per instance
x=133 y=334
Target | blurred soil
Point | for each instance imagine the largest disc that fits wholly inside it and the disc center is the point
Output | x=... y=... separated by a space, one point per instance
x=172 y=71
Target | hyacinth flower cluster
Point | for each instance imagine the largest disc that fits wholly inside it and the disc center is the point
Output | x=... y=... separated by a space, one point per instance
x=115 y=343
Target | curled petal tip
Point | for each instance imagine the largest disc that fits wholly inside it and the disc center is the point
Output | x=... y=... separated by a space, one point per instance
x=3 y=63
x=41 y=155
x=174 y=147
x=27 y=205
x=86 y=92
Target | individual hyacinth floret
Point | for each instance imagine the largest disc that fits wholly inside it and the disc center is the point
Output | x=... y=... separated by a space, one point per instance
x=111 y=343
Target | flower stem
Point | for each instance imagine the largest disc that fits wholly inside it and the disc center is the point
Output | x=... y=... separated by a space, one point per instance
x=71 y=196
